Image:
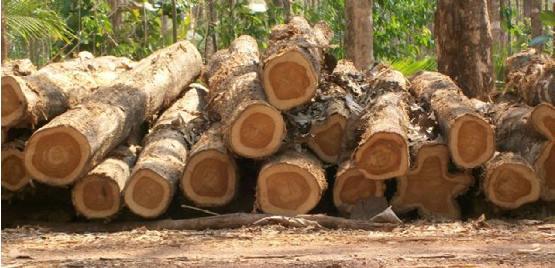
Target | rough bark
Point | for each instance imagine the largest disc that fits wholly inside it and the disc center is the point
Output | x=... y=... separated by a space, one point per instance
x=532 y=76
x=14 y=176
x=22 y=67
x=471 y=139
x=536 y=23
x=351 y=187
x=291 y=183
x=98 y=195
x=74 y=142
x=152 y=184
x=463 y=42
x=210 y=178
x=494 y=12
x=293 y=62
x=359 y=33
x=429 y=186
x=251 y=127
x=35 y=99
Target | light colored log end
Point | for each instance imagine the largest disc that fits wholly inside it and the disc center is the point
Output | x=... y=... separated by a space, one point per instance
x=385 y=155
x=96 y=197
x=471 y=141
x=148 y=194
x=210 y=179
x=351 y=186
x=326 y=138
x=57 y=156
x=289 y=79
x=257 y=132
x=545 y=165
x=14 y=104
x=14 y=176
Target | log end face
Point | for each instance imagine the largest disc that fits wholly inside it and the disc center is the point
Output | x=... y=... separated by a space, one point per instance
x=511 y=185
x=351 y=186
x=14 y=176
x=471 y=141
x=385 y=155
x=210 y=179
x=289 y=80
x=546 y=167
x=257 y=132
x=14 y=104
x=326 y=139
x=57 y=155
x=147 y=194
x=543 y=117
x=96 y=197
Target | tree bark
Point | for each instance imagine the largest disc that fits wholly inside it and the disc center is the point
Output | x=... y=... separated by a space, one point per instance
x=536 y=23
x=14 y=176
x=150 y=189
x=470 y=137
x=351 y=187
x=210 y=45
x=494 y=12
x=98 y=195
x=293 y=62
x=210 y=178
x=74 y=142
x=359 y=33
x=463 y=42
x=37 y=98
x=291 y=183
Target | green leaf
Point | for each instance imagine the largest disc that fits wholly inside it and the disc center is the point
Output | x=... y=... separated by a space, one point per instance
x=548 y=17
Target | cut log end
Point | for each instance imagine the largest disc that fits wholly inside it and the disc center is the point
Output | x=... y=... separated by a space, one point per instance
x=257 y=132
x=351 y=186
x=289 y=80
x=385 y=155
x=148 y=194
x=14 y=176
x=471 y=141
x=96 y=197
x=543 y=117
x=510 y=185
x=546 y=168
x=286 y=189
x=326 y=138
x=210 y=179
x=13 y=101
x=57 y=156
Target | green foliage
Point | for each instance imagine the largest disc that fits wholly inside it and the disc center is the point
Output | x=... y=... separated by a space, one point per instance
x=411 y=66
x=332 y=12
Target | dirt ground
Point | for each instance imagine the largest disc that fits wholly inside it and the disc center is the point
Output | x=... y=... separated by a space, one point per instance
x=525 y=243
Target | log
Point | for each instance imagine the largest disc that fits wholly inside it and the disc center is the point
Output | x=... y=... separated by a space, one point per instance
x=351 y=187
x=509 y=181
x=291 y=183
x=74 y=142
x=429 y=187
x=471 y=139
x=37 y=98
x=18 y=67
x=532 y=75
x=98 y=195
x=293 y=62
x=211 y=176
x=150 y=189
x=252 y=128
x=14 y=175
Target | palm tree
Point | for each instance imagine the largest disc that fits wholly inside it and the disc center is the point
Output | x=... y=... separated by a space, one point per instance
x=30 y=19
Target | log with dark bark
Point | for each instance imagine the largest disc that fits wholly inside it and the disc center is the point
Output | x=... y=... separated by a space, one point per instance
x=291 y=183
x=429 y=186
x=210 y=178
x=14 y=175
x=251 y=127
x=74 y=142
x=37 y=98
x=471 y=139
x=292 y=63
x=532 y=76
x=150 y=189
x=98 y=195
x=22 y=67
x=351 y=187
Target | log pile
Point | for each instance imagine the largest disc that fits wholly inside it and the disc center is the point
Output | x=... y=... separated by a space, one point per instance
x=136 y=134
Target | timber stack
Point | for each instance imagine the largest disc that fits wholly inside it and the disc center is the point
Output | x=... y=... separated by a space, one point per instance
x=121 y=133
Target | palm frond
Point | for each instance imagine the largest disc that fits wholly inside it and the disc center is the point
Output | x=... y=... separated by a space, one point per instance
x=410 y=66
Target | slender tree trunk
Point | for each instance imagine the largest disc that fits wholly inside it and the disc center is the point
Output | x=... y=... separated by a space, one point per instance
x=494 y=8
x=210 y=46
x=536 y=8
x=5 y=43
x=359 y=35
x=174 y=21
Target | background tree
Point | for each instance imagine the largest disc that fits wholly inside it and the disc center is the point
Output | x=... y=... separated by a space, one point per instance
x=358 y=34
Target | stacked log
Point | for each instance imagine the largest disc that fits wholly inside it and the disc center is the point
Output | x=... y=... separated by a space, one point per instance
x=352 y=186
x=532 y=75
x=14 y=175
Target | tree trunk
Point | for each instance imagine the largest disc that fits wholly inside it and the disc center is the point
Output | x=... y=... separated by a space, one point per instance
x=351 y=187
x=469 y=136
x=251 y=127
x=429 y=186
x=463 y=41
x=293 y=62
x=14 y=176
x=292 y=183
x=152 y=184
x=71 y=144
x=494 y=12
x=98 y=195
x=5 y=43
x=358 y=33
x=537 y=26
x=210 y=45
x=34 y=99
x=210 y=178
x=532 y=76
